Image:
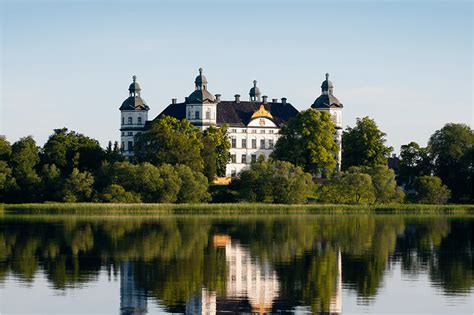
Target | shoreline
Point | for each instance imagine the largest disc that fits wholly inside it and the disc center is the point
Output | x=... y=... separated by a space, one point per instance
x=229 y=209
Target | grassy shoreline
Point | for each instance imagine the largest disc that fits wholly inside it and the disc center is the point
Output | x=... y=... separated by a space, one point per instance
x=234 y=208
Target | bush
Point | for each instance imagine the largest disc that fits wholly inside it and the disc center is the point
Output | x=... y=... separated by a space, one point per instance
x=118 y=194
x=430 y=189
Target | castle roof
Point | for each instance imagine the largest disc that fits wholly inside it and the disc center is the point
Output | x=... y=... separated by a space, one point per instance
x=238 y=114
x=134 y=103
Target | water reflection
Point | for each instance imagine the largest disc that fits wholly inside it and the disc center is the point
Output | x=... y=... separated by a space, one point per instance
x=212 y=266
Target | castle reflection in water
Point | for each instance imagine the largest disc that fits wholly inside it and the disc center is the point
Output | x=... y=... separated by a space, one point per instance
x=251 y=287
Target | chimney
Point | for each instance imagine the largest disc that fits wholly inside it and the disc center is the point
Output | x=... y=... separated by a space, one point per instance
x=264 y=99
x=173 y=101
x=237 y=98
x=274 y=100
x=283 y=100
x=218 y=97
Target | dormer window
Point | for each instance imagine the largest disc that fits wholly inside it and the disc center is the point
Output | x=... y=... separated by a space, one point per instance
x=130 y=121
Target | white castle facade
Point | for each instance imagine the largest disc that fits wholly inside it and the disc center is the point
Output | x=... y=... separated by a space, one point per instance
x=253 y=125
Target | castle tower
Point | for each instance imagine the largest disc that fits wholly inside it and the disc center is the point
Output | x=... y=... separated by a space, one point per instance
x=255 y=92
x=329 y=103
x=133 y=114
x=201 y=105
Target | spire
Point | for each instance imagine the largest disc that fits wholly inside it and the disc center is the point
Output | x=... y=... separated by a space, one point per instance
x=134 y=88
x=327 y=86
x=201 y=81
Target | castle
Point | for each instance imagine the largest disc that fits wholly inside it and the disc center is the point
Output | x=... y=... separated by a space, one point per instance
x=254 y=125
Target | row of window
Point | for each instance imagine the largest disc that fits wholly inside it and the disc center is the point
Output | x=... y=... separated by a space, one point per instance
x=129 y=146
x=244 y=158
x=233 y=143
x=197 y=115
x=130 y=133
x=130 y=121
x=251 y=131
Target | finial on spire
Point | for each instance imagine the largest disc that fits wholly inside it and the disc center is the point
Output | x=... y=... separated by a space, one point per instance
x=200 y=71
x=134 y=78
x=255 y=83
x=327 y=76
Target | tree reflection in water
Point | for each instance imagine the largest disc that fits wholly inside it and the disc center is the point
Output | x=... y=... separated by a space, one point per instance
x=248 y=265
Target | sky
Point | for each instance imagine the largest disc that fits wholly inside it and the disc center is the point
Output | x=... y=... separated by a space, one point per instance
x=406 y=64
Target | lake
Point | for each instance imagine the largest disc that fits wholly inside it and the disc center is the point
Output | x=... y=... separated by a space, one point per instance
x=312 y=264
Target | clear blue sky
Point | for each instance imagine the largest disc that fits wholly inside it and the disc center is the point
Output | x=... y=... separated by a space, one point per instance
x=407 y=64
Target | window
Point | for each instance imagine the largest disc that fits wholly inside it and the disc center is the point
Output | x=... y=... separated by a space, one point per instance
x=123 y=133
x=233 y=130
x=123 y=120
x=208 y=114
x=130 y=133
x=270 y=144
x=270 y=131
x=123 y=145
x=254 y=158
x=130 y=145
x=244 y=143
x=262 y=131
x=139 y=120
x=233 y=158
x=262 y=143
x=254 y=130
x=244 y=159
x=254 y=143
x=233 y=143
x=196 y=114
x=130 y=121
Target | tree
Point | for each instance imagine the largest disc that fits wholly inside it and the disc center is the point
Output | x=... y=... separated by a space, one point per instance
x=414 y=161
x=451 y=149
x=383 y=182
x=364 y=145
x=351 y=187
x=116 y=193
x=52 y=183
x=170 y=141
x=5 y=177
x=275 y=181
x=216 y=152
x=78 y=186
x=157 y=184
x=194 y=185
x=430 y=190
x=5 y=149
x=113 y=153
x=68 y=150
x=308 y=140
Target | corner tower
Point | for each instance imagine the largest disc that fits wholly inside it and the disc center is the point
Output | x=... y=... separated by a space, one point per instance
x=329 y=103
x=133 y=116
x=201 y=105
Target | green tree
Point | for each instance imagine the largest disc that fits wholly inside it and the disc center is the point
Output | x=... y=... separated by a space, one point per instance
x=414 y=161
x=364 y=145
x=430 y=190
x=171 y=141
x=383 y=182
x=78 y=186
x=68 y=150
x=52 y=183
x=118 y=194
x=113 y=153
x=350 y=187
x=5 y=149
x=308 y=141
x=157 y=184
x=216 y=147
x=5 y=178
x=275 y=181
x=451 y=149
x=194 y=185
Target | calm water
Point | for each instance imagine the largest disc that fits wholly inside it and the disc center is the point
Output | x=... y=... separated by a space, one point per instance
x=306 y=265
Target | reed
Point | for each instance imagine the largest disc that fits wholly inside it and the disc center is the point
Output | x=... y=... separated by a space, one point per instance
x=234 y=208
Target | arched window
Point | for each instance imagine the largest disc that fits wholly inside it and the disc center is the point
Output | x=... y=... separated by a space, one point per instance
x=130 y=120
x=139 y=120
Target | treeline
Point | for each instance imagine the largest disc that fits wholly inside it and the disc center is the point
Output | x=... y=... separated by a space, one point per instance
x=176 y=162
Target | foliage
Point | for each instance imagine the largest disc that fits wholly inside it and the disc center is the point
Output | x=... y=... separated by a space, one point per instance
x=52 y=183
x=349 y=188
x=452 y=149
x=117 y=194
x=194 y=185
x=384 y=183
x=113 y=153
x=430 y=190
x=170 y=141
x=78 y=186
x=414 y=161
x=364 y=145
x=215 y=152
x=275 y=181
x=308 y=141
x=5 y=149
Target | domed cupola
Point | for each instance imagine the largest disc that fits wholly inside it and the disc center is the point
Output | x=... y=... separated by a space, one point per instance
x=255 y=92
x=134 y=88
x=134 y=101
x=200 y=94
x=327 y=98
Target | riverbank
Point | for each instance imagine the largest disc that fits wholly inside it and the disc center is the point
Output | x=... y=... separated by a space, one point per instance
x=234 y=208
